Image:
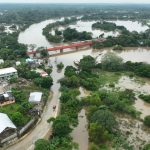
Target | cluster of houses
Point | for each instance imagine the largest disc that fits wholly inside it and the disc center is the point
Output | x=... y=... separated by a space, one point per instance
x=7 y=127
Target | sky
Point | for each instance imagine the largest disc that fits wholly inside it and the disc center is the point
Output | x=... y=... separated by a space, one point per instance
x=74 y=1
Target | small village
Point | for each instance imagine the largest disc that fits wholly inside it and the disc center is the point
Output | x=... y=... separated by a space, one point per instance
x=35 y=102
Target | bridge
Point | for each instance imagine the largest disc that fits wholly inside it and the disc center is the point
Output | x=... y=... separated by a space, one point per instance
x=74 y=45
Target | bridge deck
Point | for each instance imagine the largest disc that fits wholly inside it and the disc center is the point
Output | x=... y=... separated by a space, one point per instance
x=74 y=45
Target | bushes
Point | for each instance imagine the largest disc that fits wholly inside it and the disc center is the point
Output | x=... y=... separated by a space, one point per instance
x=60 y=66
x=145 y=97
x=92 y=84
x=72 y=82
x=105 y=118
x=147 y=121
x=45 y=82
x=70 y=71
x=146 y=147
x=18 y=119
x=94 y=99
x=98 y=134
x=111 y=62
x=61 y=126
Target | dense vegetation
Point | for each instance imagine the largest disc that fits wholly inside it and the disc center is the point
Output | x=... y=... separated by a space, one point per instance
x=107 y=26
x=73 y=35
x=145 y=97
x=67 y=35
x=126 y=39
x=10 y=49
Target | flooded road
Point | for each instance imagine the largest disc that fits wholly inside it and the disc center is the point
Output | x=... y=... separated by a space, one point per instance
x=80 y=133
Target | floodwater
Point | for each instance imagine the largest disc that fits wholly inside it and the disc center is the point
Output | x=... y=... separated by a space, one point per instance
x=33 y=35
x=131 y=25
x=80 y=133
x=139 y=88
x=87 y=26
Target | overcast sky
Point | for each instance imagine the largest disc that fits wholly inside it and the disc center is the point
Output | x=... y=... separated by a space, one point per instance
x=74 y=1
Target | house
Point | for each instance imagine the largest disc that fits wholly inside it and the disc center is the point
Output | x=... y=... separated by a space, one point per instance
x=35 y=97
x=7 y=73
x=7 y=127
x=6 y=98
x=41 y=72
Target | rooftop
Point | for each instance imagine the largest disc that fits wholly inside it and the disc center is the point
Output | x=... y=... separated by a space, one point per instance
x=5 y=122
x=7 y=70
x=35 y=97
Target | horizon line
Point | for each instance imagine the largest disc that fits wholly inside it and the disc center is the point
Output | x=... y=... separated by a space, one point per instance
x=68 y=3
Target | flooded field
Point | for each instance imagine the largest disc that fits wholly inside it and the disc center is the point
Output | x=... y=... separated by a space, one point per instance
x=139 y=88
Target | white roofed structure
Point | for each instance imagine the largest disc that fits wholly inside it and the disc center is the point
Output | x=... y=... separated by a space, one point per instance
x=5 y=123
x=35 y=97
x=7 y=73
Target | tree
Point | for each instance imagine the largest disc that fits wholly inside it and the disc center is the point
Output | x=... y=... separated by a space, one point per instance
x=87 y=63
x=42 y=144
x=93 y=146
x=146 y=147
x=105 y=118
x=45 y=82
x=98 y=133
x=147 y=121
x=61 y=127
x=17 y=118
x=70 y=71
x=111 y=62
x=60 y=66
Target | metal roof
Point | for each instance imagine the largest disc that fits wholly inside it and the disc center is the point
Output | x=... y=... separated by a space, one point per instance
x=35 y=97
x=7 y=70
x=5 y=122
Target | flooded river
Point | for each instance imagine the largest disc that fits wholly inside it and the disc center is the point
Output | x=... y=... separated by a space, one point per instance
x=33 y=35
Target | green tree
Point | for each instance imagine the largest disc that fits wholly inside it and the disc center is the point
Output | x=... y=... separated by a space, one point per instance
x=147 y=121
x=97 y=133
x=61 y=126
x=87 y=63
x=93 y=146
x=45 y=82
x=17 y=118
x=42 y=144
x=105 y=118
x=60 y=66
x=70 y=71
x=111 y=62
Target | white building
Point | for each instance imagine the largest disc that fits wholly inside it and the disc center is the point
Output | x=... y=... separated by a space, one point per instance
x=7 y=73
x=35 y=97
x=5 y=123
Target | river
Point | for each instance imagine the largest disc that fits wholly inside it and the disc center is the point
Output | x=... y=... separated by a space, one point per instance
x=33 y=35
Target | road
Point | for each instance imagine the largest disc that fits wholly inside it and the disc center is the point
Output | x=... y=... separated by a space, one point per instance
x=43 y=129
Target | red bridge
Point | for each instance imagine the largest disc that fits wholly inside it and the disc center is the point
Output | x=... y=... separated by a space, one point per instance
x=74 y=45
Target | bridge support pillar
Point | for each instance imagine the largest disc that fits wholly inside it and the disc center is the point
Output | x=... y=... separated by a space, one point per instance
x=77 y=48
x=61 y=50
